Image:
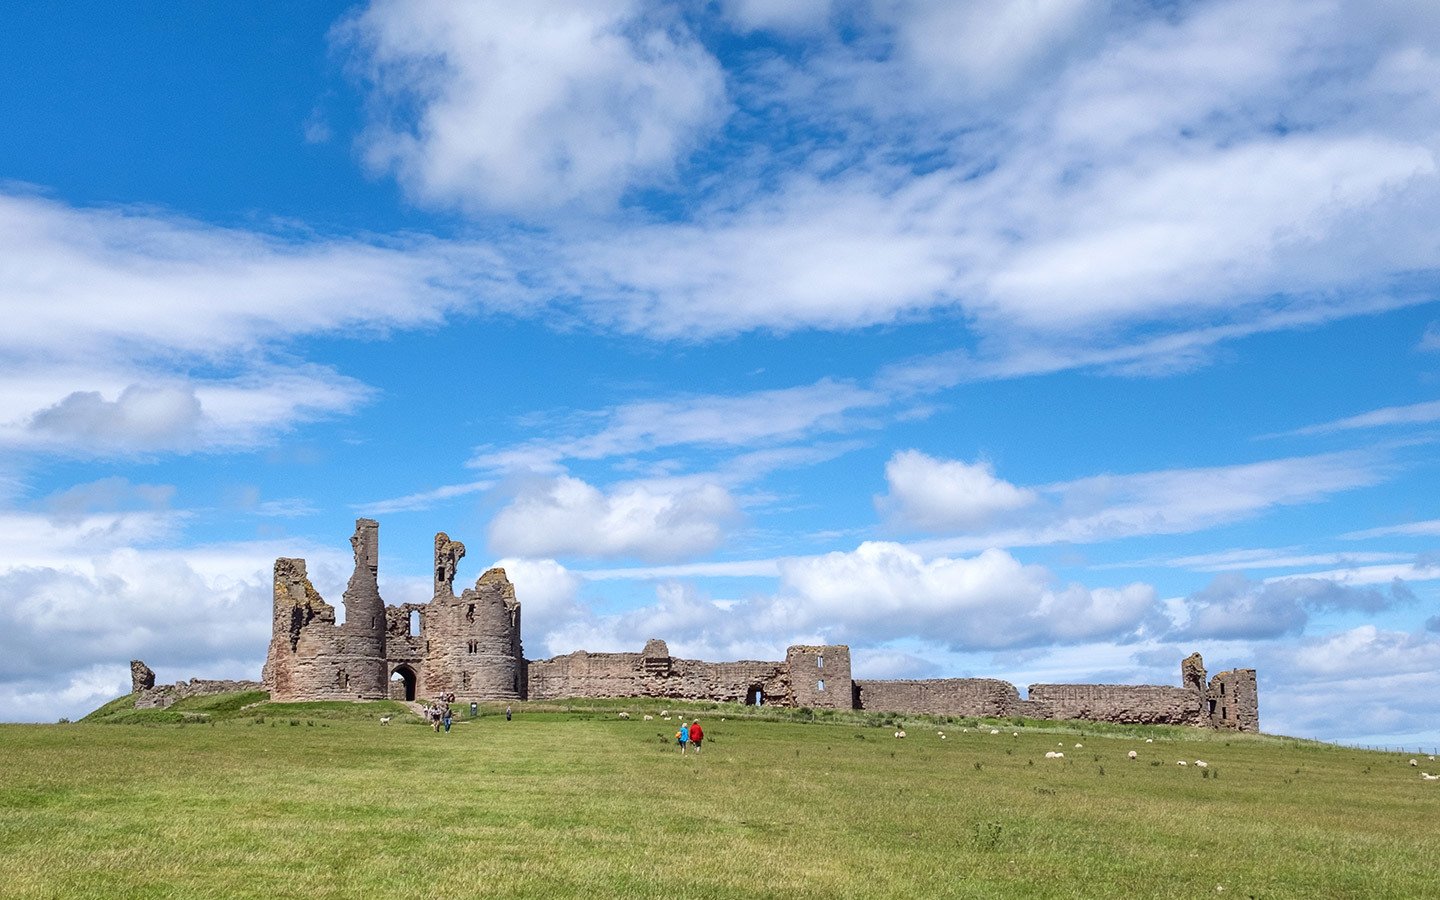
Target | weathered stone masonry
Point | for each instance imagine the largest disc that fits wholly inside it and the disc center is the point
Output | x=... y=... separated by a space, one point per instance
x=470 y=646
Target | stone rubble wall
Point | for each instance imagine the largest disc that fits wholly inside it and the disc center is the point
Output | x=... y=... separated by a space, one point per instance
x=1123 y=703
x=162 y=695
x=595 y=675
x=940 y=696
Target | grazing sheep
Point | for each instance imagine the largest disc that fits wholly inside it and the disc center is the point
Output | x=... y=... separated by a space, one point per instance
x=664 y=713
x=1133 y=755
x=1181 y=762
x=942 y=737
x=1149 y=740
x=1014 y=734
x=1051 y=754
x=649 y=718
x=1428 y=777
x=1202 y=764
x=624 y=714
x=1079 y=746
x=900 y=733
x=384 y=720
x=994 y=731
x=1414 y=762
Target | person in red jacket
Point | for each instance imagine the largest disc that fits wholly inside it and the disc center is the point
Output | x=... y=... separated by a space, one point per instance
x=697 y=734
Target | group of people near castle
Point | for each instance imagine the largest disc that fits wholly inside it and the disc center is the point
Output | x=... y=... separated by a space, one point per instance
x=691 y=735
x=438 y=712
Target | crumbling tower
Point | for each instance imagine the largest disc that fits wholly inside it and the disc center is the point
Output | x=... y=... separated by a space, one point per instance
x=363 y=671
x=820 y=676
x=471 y=642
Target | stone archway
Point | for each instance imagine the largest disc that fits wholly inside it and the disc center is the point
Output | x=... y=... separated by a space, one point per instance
x=755 y=696
x=402 y=683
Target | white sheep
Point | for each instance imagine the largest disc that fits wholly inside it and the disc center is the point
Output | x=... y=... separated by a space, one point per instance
x=1133 y=755
x=1428 y=777
x=1181 y=762
x=1014 y=734
x=1149 y=740
x=1079 y=746
x=1414 y=762
x=1052 y=754
x=649 y=718
x=900 y=733
x=384 y=720
x=624 y=714
x=994 y=731
x=1202 y=764
x=664 y=713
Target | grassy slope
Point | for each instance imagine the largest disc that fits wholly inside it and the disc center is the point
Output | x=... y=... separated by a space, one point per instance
x=319 y=801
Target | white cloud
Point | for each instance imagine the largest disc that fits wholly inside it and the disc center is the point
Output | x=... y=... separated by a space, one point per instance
x=1427 y=528
x=885 y=591
x=1233 y=607
x=793 y=17
x=1364 y=685
x=112 y=309
x=525 y=107
x=423 y=499
x=1412 y=414
x=1173 y=501
x=549 y=600
x=648 y=520
x=939 y=495
x=759 y=417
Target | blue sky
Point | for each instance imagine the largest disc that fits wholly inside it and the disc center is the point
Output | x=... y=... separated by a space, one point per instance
x=1048 y=342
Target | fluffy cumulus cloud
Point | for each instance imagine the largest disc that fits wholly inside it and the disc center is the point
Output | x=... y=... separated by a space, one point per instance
x=939 y=495
x=115 y=308
x=75 y=627
x=1083 y=168
x=519 y=107
x=549 y=595
x=1234 y=607
x=882 y=591
x=1355 y=685
x=565 y=516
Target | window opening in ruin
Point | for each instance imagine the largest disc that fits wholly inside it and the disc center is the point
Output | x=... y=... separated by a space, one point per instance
x=473 y=646
x=1224 y=712
x=820 y=662
x=819 y=685
x=405 y=689
x=464 y=679
x=470 y=613
x=414 y=622
x=1212 y=707
x=755 y=696
x=1222 y=688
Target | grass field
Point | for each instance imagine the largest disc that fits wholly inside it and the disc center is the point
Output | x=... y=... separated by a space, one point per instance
x=217 y=798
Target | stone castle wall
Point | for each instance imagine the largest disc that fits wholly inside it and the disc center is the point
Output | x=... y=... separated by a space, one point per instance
x=1126 y=703
x=469 y=645
x=654 y=673
x=940 y=696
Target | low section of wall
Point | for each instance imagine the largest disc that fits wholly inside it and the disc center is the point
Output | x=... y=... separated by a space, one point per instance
x=594 y=675
x=162 y=695
x=1124 y=703
x=939 y=696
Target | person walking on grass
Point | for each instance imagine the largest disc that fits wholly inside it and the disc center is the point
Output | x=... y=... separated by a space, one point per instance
x=697 y=734
x=445 y=717
x=682 y=737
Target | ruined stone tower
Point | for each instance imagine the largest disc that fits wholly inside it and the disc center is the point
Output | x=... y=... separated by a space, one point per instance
x=820 y=676
x=310 y=656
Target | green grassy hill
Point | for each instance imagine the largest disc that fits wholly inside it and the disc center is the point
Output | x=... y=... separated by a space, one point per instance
x=235 y=796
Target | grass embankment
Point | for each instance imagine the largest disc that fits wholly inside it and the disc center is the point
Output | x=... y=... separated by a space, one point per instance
x=318 y=800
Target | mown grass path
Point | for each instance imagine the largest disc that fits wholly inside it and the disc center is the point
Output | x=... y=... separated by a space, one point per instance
x=584 y=804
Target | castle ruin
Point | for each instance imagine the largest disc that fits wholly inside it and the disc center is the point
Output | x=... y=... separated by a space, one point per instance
x=469 y=645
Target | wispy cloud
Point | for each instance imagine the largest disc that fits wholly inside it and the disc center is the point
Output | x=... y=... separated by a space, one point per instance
x=1412 y=414
x=423 y=499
